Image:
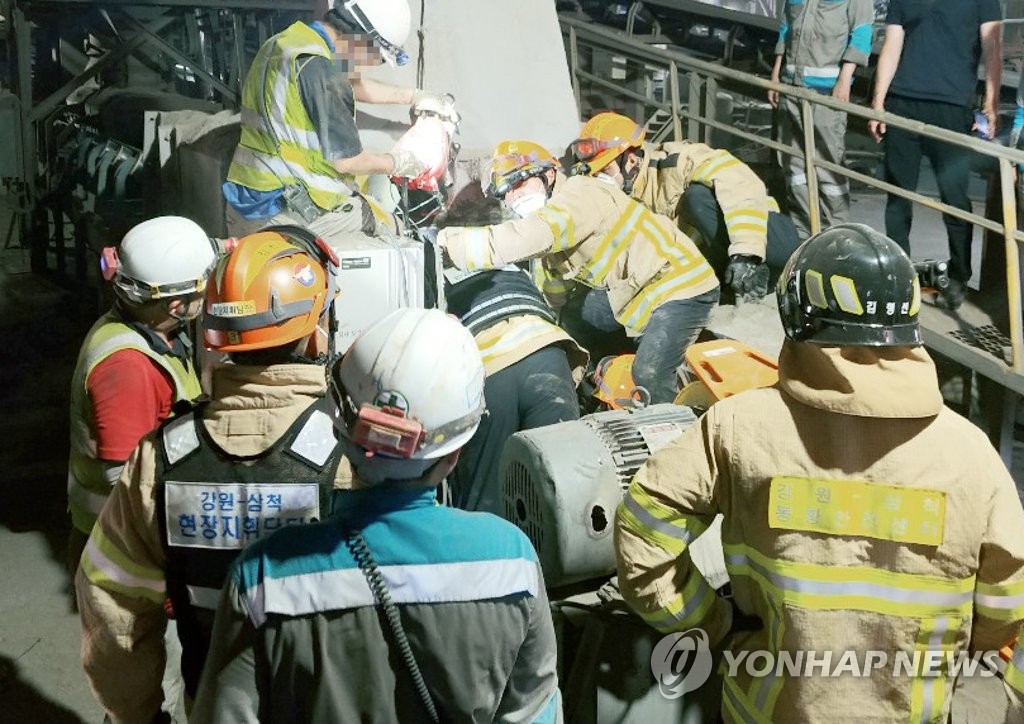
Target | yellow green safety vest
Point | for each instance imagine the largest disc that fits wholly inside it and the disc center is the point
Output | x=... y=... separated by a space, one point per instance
x=87 y=486
x=279 y=145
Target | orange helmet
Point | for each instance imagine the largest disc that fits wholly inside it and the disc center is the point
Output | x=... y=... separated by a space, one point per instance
x=602 y=139
x=515 y=161
x=271 y=290
x=613 y=380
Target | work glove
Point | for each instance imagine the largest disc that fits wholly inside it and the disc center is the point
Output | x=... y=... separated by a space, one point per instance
x=407 y=164
x=747 y=277
x=440 y=104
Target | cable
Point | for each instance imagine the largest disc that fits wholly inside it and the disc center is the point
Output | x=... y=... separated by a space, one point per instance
x=420 y=62
x=364 y=559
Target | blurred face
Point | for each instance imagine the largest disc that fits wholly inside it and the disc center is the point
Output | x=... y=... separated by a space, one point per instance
x=613 y=172
x=528 y=196
x=357 y=51
x=532 y=185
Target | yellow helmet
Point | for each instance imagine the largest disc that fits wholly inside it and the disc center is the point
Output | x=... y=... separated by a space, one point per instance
x=613 y=382
x=515 y=161
x=602 y=139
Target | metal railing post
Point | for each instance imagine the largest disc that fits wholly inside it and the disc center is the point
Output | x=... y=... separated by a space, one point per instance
x=693 y=106
x=574 y=64
x=1006 y=178
x=710 y=100
x=810 y=168
x=673 y=83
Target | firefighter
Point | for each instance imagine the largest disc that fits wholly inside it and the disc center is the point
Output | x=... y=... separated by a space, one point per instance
x=136 y=362
x=260 y=455
x=619 y=273
x=860 y=514
x=532 y=365
x=299 y=152
x=465 y=633
x=712 y=192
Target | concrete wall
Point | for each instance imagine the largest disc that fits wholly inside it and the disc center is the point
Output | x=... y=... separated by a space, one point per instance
x=504 y=62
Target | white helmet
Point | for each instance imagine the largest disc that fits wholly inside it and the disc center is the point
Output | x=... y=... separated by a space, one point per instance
x=411 y=386
x=387 y=22
x=163 y=257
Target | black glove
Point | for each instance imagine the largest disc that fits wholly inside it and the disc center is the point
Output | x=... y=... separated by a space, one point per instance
x=747 y=276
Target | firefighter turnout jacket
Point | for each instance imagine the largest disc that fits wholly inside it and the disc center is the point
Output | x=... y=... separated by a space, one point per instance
x=508 y=317
x=668 y=170
x=592 y=233
x=860 y=515
x=472 y=603
x=193 y=494
x=88 y=486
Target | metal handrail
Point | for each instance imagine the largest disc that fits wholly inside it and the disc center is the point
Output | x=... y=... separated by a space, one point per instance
x=578 y=32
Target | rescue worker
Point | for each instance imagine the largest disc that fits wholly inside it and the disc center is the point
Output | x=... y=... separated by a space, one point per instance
x=619 y=273
x=714 y=193
x=259 y=456
x=299 y=151
x=821 y=43
x=136 y=362
x=532 y=366
x=465 y=633
x=860 y=514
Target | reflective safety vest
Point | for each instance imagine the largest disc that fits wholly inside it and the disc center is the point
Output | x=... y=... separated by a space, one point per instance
x=88 y=487
x=211 y=505
x=279 y=145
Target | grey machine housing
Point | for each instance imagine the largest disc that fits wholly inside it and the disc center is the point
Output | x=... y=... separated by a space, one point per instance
x=562 y=483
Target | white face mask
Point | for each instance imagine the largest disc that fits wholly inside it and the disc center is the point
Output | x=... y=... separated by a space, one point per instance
x=611 y=180
x=526 y=204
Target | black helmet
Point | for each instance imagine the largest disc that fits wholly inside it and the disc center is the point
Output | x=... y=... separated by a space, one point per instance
x=850 y=286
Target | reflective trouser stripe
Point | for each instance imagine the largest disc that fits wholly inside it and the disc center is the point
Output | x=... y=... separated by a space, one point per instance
x=737 y=706
x=1014 y=675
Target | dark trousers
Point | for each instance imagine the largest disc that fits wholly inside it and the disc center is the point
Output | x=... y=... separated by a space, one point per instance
x=659 y=351
x=952 y=165
x=702 y=210
x=537 y=390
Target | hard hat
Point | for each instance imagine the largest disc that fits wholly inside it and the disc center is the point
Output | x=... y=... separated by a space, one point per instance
x=411 y=386
x=271 y=290
x=515 y=161
x=602 y=139
x=850 y=286
x=386 y=22
x=613 y=382
x=163 y=257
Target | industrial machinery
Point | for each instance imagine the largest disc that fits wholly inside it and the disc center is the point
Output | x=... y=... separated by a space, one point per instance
x=566 y=503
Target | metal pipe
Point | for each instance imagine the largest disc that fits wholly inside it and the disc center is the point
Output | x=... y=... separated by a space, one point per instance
x=1006 y=178
x=673 y=84
x=574 y=68
x=810 y=168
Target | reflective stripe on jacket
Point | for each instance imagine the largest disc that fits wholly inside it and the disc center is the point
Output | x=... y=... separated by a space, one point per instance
x=88 y=486
x=121 y=583
x=816 y=36
x=279 y=145
x=669 y=169
x=472 y=601
x=592 y=233
x=859 y=515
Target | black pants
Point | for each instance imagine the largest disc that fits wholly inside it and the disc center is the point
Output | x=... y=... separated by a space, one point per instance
x=537 y=390
x=702 y=210
x=952 y=165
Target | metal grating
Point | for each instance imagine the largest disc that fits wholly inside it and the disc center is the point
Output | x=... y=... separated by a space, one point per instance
x=987 y=338
x=522 y=504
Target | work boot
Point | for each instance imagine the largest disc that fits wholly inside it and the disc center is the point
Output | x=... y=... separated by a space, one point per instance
x=952 y=296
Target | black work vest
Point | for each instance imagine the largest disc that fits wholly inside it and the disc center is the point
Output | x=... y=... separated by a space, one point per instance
x=210 y=505
x=492 y=296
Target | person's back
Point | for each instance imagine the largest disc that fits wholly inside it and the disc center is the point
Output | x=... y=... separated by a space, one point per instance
x=471 y=598
x=865 y=524
x=394 y=607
